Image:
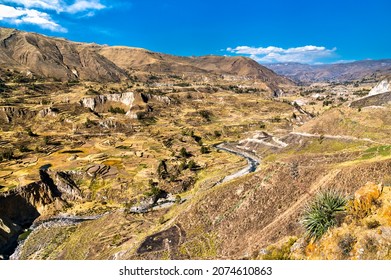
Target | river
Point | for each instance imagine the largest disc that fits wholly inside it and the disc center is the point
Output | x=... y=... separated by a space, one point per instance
x=252 y=162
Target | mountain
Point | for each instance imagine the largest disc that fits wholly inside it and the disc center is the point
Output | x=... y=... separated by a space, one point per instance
x=54 y=58
x=364 y=70
x=60 y=59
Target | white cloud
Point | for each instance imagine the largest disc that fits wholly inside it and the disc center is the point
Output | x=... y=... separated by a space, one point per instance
x=29 y=16
x=41 y=12
x=306 y=54
x=54 y=5
x=82 y=6
x=60 y=6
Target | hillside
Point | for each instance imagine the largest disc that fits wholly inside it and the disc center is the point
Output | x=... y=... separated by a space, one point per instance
x=59 y=59
x=144 y=155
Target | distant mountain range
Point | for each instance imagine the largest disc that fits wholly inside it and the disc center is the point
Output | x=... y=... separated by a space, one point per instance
x=362 y=71
x=47 y=57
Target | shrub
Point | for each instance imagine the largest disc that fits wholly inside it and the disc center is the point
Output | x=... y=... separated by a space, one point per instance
x=207 y=115
x=23 y=148
x=276 y=119
x=204 y=150
x=183 y=152
x=192 y=165
x=117 y=110
x=3 y=86
x=92 y=92
x=371 y=244
x=371 y=224
x=346 y=244
x=217 y=133
x=6 y=155
x=262 y=125
x=321 y=214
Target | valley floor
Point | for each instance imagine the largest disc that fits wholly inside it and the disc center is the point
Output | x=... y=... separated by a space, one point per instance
x=112 y=172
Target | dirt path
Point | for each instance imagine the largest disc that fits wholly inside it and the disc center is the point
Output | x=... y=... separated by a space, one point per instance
x=326 y=136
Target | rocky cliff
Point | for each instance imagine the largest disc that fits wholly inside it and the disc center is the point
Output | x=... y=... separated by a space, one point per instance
x=20 y=206
x=382 y=87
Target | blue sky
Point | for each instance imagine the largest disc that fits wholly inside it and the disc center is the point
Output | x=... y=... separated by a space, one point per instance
x=268 y=31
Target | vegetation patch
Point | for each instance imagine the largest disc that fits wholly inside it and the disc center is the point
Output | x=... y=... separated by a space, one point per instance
x=282 y=252
x=383 y=151
x=117 y=110
x=321 y=213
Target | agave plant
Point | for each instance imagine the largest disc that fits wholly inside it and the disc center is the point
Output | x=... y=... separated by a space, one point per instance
x=321 y=213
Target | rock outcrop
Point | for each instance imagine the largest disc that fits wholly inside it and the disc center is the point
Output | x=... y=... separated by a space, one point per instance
x=133 y=102
x=381 y=87
x=9 y=113
x=126 y=98
x=20 y=206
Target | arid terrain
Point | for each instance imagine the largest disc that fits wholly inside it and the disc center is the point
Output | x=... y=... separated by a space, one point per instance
x=124 y=153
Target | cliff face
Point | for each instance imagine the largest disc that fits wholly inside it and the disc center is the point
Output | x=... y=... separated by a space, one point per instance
x=382 y=87
x=126 y=99
x=130 y=102
x=19 y=207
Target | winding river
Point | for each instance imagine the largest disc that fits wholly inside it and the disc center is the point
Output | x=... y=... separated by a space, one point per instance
x=252 y=162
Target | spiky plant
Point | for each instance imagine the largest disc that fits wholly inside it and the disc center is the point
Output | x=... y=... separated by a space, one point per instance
x=321 y=213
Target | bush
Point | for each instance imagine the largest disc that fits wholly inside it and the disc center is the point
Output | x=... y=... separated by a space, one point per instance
x=23 y=148
x=192 y=165
x=3 y=87
x=183 y=152
x=346 y=244
x=371 y=224
x=117 y=110
x=217 y=133
x=6 y=155
x=205 y=114
x=321 y=214
x=204 y=150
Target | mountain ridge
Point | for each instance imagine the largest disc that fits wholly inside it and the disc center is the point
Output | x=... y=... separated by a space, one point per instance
x=361 y=70
x=61 y=59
